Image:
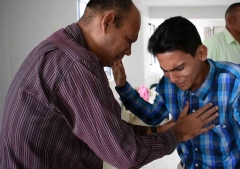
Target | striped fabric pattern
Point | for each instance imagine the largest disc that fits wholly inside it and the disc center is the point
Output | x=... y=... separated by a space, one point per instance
x=61 y=114
x=216 y=149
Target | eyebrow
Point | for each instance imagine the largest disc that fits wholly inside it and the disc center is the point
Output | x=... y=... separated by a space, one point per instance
x=173 y=68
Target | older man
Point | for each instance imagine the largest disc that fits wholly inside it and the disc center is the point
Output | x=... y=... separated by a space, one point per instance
x=225 y=46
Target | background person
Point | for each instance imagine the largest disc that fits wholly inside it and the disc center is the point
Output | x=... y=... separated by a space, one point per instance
x=225 y=46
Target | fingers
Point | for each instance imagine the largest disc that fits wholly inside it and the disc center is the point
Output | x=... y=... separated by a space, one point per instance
x=115 y=65
x=192 y=125
x=212 y=114
x=202 y=109
x=119 y=61
x=118 y=66
x=206 y=129
x=185 y=109
x=208 y=119
x=119 y=73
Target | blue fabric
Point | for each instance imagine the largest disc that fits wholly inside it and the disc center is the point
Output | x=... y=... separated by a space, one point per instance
x=220 y=147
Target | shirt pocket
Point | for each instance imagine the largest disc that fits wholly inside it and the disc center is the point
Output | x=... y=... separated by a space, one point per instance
x=223 y=140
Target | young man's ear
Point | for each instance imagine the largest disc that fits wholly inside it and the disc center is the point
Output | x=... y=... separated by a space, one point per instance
x=107 y=21
x=202 y=52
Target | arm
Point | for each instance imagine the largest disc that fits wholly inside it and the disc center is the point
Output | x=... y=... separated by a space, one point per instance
x=186 y=127
x=151 y=114
x=94 y=116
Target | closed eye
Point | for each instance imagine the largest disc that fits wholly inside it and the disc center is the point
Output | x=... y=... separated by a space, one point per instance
x=176 y=69
x=179 y=69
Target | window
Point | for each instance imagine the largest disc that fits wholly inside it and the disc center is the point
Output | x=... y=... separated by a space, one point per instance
x=208 y=32
x=153 y=60
x=81 y=5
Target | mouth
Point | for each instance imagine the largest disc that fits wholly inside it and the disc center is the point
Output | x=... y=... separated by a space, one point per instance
x=180 y=84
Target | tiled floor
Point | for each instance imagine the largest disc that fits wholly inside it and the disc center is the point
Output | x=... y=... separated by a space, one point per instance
x=167 y=162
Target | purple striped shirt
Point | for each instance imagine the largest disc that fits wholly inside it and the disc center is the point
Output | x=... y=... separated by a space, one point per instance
x=61 y=113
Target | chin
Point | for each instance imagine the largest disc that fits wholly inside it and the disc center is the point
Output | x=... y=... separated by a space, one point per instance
x=183 y=88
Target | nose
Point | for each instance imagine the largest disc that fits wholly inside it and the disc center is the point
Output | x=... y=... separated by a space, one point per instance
x=173 y=77
x=128 y=51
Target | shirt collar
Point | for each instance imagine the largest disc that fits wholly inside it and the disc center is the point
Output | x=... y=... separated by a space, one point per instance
x=77 y=34
x=205 y=89
x=228 y=36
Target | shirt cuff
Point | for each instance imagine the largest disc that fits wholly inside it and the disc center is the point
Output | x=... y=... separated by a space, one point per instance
x=126 y=92
x=171 y=140
x=122 y=88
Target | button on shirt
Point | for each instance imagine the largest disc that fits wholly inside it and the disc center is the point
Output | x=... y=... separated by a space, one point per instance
x=223 y=47
x=61 y=114
x=218 y=148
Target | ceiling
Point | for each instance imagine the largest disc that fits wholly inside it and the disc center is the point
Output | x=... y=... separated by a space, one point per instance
x=188 y=2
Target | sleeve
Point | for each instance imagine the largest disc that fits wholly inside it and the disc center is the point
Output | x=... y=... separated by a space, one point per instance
x=138 y=130
x=151 y=114
x=94 y=116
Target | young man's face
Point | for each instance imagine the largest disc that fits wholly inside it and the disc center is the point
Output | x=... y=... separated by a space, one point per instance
x=184 y=70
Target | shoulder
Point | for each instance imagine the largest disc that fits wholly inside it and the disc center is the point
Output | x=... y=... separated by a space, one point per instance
x=229 y=69
x=214 y=38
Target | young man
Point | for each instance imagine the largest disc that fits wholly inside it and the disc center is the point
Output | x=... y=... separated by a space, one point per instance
x=60 y=112
x=190 y=77
x=225 y=46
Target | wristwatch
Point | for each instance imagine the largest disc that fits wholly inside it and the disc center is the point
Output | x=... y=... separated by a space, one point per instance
x=154 y=129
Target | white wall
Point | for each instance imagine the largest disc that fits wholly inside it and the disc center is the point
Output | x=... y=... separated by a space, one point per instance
x=135 y=62
x=25 y=23
x=142 y=8
x=5 y=76
x=197 y=12
x=31 y=21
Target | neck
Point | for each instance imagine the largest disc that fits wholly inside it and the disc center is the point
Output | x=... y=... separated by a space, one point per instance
x=89 y=37
x=202 y=76
x=86 y=30
x=205 y=71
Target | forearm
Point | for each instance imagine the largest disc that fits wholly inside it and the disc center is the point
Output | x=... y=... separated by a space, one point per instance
x=139 y=130
x=95 y=119
x=151 y=114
